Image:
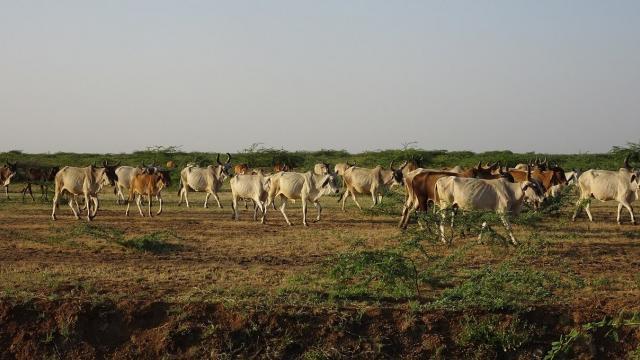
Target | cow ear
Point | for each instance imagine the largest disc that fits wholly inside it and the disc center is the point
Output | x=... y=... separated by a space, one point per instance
x=633 y=177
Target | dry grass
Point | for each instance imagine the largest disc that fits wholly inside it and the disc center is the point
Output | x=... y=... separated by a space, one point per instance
x=244 y=262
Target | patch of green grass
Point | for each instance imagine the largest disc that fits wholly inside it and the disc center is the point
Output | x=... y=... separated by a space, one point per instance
x=156 y=242
x=496 y=334
x=372 y=273
x=505 y=287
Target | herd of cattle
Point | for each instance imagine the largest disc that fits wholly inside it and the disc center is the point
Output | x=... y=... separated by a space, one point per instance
x=481 y=187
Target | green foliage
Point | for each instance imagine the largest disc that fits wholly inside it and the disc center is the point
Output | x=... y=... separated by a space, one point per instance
x=156 y=242
x=607 y=328
x=372 y=273
x=491 y=332
x=506 y=287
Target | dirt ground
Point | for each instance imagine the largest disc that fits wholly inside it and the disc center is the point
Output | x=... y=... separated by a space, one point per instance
x=75 y=291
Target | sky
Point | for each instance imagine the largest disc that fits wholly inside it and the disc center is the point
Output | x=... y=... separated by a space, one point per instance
x=117 y=76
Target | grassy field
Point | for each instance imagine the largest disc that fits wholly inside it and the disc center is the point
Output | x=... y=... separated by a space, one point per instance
x=194 y=283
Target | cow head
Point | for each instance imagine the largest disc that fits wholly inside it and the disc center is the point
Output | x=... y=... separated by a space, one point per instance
x=533 y=190
x=110 y=172
x=328 y=185
x=505 y=174
x=559 y=177
x=226 y=167
x=398 y=175
x=50 y=174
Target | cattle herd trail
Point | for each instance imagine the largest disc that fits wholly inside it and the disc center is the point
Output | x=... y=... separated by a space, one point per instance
x=195 y=283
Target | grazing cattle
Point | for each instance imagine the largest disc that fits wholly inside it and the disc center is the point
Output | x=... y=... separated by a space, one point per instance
x=7 y=171
x=606 y=185
x=499 y=195
x=547 y=178
x=207 y=179
x=149 y=184
x=41 y=176
x=87 y=181
x=250 y=186
x=420 y=187
x=126 y=175
x=305 y=186
x=374 y=181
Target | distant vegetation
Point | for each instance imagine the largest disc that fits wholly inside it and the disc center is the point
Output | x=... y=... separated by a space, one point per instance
x=258 y=156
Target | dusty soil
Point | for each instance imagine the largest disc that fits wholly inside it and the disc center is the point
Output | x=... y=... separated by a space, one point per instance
x=72 y=291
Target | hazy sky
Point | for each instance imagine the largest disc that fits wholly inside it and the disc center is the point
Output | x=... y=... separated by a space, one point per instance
x=112 y=76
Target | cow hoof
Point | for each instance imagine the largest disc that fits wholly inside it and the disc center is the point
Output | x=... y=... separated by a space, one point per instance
x=53 y=218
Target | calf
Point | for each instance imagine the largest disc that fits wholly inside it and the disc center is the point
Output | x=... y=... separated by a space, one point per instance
x=150 y=185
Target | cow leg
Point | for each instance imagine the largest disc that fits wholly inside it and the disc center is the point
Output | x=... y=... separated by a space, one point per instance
x=96 y=205
x=374 y=197
x=55 y=205
x=206 y=200
x=215 y=196
x=139 y=203
x=304 y=212
x=246 y=206
x=149 y=205
x=319 y=207
x=185 y=192
x=234 y=204
x=587 y=208
x=73 y=209
x=484 y=226
x=283 y=205
x=6 y=192
x=28 y=188
x=344 y=198
x=507 y=226
x=618 y=213
x=159 y=203
x=443 y=214
x=578 y=209
x=126 y=212
x=263 y=207
x=88 y=205
x=630 y=209
x=353 y=196
x=42 y=193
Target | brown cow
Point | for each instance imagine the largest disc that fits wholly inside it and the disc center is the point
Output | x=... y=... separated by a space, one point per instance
x=241 y=169
x=7 y=171
x=420 y=186
x=547 y=178
x=40 y=176
x=281 y=167
x=150 y=185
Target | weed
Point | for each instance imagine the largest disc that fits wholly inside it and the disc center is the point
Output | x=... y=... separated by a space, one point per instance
x=500 y=336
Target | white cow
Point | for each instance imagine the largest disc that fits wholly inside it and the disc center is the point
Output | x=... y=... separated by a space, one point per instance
x=208 y=179
x=499 y=195
x=87 y=181
x=305 y=186
x=254 y=187
x=606 y=185
x=374 y=181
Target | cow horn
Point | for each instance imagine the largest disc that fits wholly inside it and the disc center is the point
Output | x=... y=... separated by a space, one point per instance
x=104 y=163
x=528 y=173
x=405 y=163
x=626 y=162
x=228 y=158
x=479 y=165
x=218 y=159
x=391 y=165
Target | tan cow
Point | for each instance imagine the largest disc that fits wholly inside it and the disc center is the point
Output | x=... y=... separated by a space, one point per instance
x=149 y=185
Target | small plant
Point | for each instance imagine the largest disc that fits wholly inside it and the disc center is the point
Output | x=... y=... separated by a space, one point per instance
x=500 y=336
